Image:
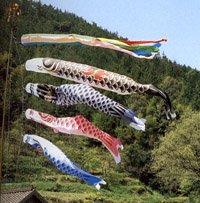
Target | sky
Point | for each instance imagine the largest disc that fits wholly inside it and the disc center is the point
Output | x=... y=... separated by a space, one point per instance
x=178 y=21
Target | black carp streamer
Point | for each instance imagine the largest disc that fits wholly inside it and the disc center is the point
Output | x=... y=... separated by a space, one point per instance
x=84 y=94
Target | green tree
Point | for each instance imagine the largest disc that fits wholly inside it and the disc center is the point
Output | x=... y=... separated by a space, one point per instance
x=176 y=161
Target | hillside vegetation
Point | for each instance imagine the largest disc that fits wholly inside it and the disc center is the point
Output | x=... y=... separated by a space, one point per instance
x=165 y=158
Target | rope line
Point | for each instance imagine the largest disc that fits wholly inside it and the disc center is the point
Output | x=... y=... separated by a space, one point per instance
x=22 y=109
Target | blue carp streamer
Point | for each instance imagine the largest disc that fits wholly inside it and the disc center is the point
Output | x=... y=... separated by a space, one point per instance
x=60 y=160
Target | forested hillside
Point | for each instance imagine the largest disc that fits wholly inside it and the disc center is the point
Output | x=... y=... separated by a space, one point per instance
x=165 y=158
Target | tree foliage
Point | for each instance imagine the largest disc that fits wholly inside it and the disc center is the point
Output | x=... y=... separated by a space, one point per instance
x=176 y=161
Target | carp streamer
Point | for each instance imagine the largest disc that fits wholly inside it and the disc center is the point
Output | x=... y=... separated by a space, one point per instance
x=84 y=94
x=60 y=160
x=77 y=125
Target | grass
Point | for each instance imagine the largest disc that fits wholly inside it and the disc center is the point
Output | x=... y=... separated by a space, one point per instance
x=62 y=188
x=66 y=189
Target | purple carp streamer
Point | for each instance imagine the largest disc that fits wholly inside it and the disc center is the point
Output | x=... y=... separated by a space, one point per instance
x=139 y=49
x=77 y=125
x=84 y=94
x=96 y=77
x=60 y=160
